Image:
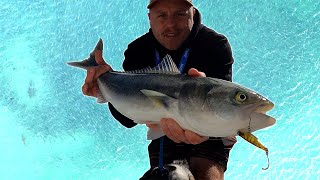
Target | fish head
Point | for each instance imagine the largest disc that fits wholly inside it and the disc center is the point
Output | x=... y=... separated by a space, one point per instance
x=238 y=105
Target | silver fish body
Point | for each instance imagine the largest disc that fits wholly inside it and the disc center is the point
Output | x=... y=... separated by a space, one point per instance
x=204 y=105
x=208 y=106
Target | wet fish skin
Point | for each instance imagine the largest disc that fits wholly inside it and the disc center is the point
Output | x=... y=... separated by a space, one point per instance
x=203 y=105
x=208 y=106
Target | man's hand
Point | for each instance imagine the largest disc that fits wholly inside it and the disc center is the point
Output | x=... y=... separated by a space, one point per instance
x=193 y=72
x=90 y=86
x=173 y=130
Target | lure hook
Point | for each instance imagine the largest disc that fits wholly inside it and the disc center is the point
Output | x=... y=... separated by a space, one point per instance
x=268 y=161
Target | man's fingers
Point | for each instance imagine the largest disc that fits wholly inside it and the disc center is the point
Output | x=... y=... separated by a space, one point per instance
x=100 y=70
x=90 y=87
x=98 y=57
x=90 y=75
x=94 y=89
x=86 y=90
x=193 y=72
x=94 y=72
x=174 y=131
x=195 y=138
x=167 y=132
x=177 y=131
x=153 y=126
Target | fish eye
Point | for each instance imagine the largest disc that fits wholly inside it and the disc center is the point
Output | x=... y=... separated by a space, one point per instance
x=240 y=97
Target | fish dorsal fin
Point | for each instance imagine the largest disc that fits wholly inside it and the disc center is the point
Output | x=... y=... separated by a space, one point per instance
x=167 y=66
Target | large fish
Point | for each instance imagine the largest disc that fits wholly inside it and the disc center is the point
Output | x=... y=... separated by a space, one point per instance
x=208 y=106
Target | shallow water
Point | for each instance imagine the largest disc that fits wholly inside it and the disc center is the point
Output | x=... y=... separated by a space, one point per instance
x=48 y=130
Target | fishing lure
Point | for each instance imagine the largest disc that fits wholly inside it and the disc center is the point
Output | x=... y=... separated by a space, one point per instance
x=254 y=140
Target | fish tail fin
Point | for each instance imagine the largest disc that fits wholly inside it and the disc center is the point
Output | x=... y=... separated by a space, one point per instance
x=254 y=140
x=91 y=60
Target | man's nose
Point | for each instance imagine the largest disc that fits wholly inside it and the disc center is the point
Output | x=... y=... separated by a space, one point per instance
x=171 y=21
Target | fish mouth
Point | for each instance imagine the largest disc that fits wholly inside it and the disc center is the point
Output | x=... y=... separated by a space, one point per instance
x=259 y=119
x=264 y=107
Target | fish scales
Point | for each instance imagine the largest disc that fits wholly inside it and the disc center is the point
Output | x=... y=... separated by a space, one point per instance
x=207 y=106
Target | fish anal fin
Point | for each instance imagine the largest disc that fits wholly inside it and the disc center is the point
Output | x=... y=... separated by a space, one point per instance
x=100 y=98
x=153 y=134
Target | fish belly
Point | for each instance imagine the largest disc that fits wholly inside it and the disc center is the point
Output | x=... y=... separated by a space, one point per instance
x=124 y=93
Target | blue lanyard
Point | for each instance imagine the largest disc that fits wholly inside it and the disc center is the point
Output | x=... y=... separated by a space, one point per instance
x=183 y=60
x=182 y=64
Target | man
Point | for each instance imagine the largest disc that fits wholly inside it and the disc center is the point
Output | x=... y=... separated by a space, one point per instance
x=176 y=30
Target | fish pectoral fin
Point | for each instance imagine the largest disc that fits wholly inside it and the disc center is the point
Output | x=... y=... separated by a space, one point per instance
x=159 y=99
x=153 y=134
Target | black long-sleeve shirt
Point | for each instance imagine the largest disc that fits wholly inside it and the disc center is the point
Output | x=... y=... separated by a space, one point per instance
x=210 y=52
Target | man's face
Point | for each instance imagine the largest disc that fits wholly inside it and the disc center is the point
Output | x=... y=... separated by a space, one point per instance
x=171 y=22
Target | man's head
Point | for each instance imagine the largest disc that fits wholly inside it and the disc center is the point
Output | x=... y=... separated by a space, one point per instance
x=153 y=2
x=171 y=21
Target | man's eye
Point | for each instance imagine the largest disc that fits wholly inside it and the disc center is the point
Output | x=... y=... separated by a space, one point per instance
x=182 y=14
x=161 y=15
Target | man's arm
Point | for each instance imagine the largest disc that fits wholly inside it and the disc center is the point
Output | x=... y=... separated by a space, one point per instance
x=221 y=66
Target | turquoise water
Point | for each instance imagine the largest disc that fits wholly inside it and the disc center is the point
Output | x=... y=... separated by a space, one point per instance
x=48 y=130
